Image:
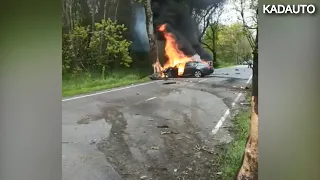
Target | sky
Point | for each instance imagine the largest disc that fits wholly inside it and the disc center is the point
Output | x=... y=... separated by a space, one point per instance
x=230 y=15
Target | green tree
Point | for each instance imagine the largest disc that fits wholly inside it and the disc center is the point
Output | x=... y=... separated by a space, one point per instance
x=228 y=44
x=106 y=49
x=211 y=30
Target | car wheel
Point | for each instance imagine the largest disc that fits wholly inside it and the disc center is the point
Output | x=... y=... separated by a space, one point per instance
x=197 y=74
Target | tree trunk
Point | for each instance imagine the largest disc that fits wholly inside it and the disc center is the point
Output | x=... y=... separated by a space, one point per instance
x=249 y=168
x=105 y=9
x=116 y=10
x=151 y=34
x=92 y=22
x=214 y=48
x=214 y=30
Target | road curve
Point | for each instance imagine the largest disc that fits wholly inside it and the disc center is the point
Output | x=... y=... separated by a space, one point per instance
x=152 y=131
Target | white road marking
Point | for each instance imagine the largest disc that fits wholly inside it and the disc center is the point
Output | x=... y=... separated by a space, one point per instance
x=119 y=89
x=220 y=122
x=226 y=114
x=108 y=91
x=236 y=100
x=249 y=80
x=145 y=100
x=203 y=80
x=150 y=98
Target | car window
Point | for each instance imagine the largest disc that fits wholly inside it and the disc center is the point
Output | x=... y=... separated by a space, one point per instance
x=202 y=64
x=190 y=64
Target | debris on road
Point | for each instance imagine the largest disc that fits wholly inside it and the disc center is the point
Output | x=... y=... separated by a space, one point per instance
x=163 y=126
x=137 y=93
x=241 y=87
x=184 y=136
x=226 y=127
x=198 y=155
x=170 y=82
x=237 y=73
x=157 y=76
x=237 y=69
x=175 y=170
x=155 y=148
x=94 y=141
x=143 y=177
x=168 y=132
x=198 y=148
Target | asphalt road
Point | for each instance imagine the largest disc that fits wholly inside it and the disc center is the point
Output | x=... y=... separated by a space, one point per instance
x=152 y=131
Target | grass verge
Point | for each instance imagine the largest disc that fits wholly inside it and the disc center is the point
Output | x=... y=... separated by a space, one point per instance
x=230 y=155
x=88 y=83
x=224 y=65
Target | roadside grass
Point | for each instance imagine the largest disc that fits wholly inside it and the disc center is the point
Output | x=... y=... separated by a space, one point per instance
x=230 y=155
x=224 y=65
x=87 y=83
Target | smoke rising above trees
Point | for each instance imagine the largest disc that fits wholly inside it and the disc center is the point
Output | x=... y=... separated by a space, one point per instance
x=181 y=16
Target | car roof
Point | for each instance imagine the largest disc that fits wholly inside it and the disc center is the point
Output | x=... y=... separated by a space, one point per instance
x=189 y=62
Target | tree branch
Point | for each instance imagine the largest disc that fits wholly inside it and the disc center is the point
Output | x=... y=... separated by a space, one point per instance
x=207 y=46
x=204 y=29
x=246 y=28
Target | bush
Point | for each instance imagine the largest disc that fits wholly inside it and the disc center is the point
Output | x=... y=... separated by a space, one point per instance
x=103 y=49
x=74 y=51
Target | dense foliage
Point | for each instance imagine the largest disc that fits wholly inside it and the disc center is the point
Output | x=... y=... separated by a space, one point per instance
x=228 y=42
x=104 y=48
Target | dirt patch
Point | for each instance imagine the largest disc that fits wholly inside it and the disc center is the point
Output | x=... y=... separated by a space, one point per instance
x=84 y=120
x=116 y=149
x=183 y=154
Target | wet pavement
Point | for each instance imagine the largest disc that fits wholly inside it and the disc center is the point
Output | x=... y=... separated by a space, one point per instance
x=152 y=131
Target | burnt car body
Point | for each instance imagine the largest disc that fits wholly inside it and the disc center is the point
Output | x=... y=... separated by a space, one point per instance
x=192 y=68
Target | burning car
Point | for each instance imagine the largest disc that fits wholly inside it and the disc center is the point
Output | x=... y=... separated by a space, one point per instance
x=192 y=68
x=178 y=62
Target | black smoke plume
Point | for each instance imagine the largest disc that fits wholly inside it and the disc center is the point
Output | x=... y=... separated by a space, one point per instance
x=183 y=44
x=177 y=15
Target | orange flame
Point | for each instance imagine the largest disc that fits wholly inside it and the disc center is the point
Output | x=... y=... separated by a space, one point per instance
x=175 y=56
